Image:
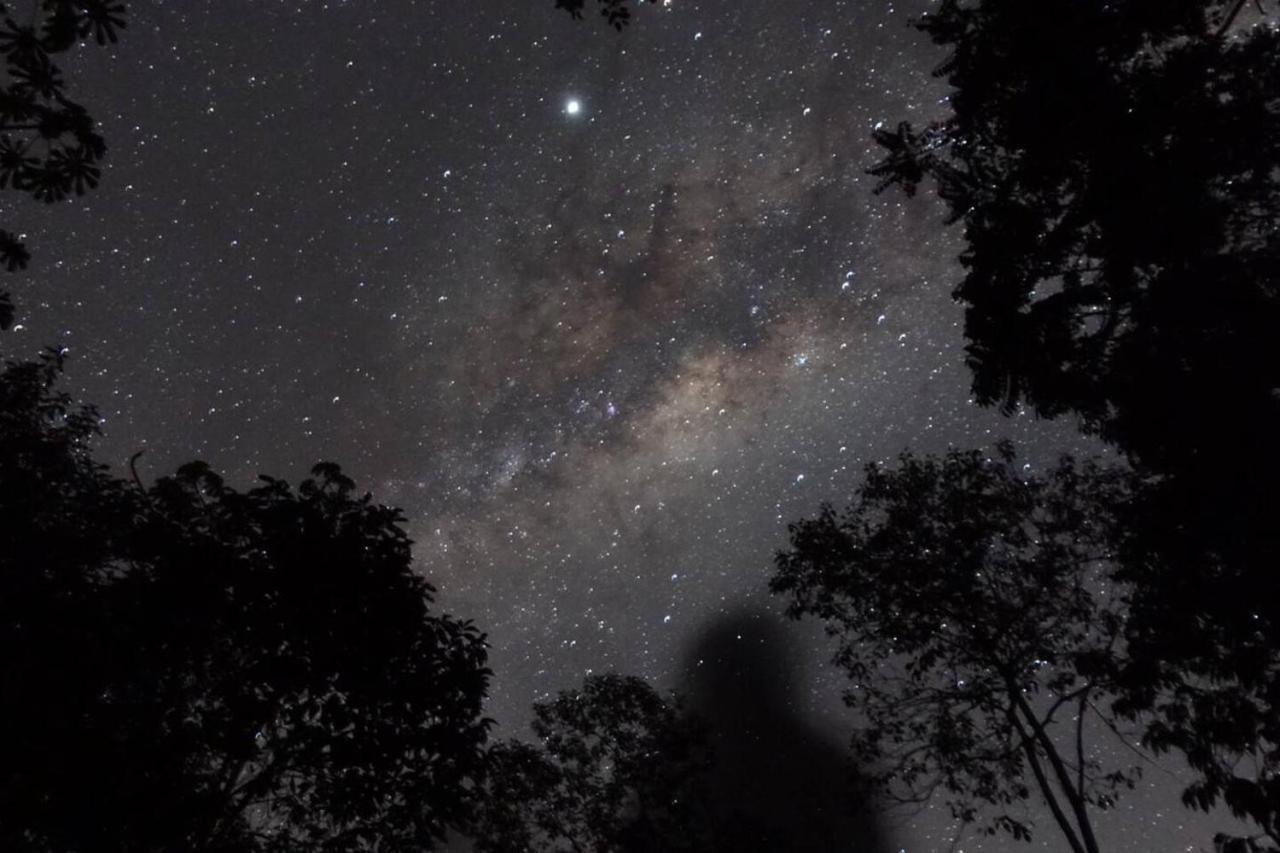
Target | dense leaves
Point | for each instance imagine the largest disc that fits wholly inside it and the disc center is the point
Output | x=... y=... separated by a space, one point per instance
x=59 y=515
x=1116 y=168
x=196 y=668
x=1113 y=165
x=617 y=768
x=974 y=622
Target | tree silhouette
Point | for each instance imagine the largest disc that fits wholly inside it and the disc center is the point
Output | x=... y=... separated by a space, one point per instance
x=195 y=668
x=1114 y=165
x=59 y=513
x=617 y=768
x=49 y=148
x=968 y=605
x=1072 y=126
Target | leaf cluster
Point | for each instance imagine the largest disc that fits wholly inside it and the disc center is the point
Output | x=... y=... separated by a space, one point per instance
x=49 y=147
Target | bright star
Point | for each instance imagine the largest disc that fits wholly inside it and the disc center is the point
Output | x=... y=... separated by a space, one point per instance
x=573 y=106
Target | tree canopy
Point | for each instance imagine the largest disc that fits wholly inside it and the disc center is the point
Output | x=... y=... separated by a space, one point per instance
x=1113 y=167
x=973 y=620
x=197 y=668
x=616 y=768
x=1116 y=170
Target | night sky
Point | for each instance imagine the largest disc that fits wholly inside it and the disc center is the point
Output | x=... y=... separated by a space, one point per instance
x=602 y=312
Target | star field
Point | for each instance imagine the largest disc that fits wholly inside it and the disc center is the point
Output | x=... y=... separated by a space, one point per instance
x=601 y=312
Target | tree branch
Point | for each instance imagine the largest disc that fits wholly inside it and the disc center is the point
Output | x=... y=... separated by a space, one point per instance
x=1046 y=790
x=1084 y=701
x=1059 y=769
x=1230 y=18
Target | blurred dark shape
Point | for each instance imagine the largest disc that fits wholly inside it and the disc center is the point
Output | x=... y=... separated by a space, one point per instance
x=617 y=767
x=1116 y=168
x=616 y=13
x=189 y=667
x=777 y=783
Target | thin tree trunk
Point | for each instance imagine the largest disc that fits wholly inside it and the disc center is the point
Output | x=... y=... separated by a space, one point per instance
x=1029 y=747
x=1080 y=709
x=1074 y=797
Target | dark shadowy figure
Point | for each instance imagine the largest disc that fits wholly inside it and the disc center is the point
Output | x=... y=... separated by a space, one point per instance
x=49 y=148
x=189 y=667
x=777 y=783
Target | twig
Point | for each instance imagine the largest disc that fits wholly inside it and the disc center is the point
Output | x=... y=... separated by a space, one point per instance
x=1230 y=18
x=133 y=469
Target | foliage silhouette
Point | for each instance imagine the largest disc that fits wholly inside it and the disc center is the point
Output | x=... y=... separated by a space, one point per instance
x=1070 y=127
x=617 y=768
x=1114 y=165
x=59 y=512
x=965 y=599
x=49 y=148
x=196 y=668
x=616 y=13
